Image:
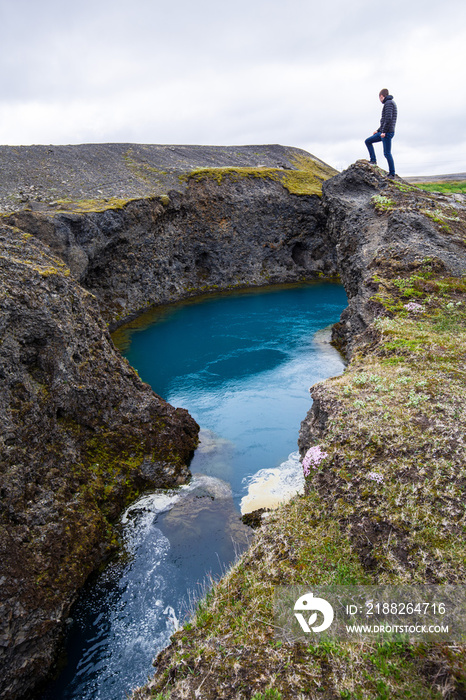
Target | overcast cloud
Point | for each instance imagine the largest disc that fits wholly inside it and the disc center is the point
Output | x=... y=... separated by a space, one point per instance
x=300 y=73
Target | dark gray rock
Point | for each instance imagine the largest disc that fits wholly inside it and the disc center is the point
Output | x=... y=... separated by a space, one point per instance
x=39 y=176
x=214 y=236
x=384 y=228
x=375 y=225
x=80 y=435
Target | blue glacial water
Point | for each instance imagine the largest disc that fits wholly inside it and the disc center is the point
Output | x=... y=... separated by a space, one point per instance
x=242 y=364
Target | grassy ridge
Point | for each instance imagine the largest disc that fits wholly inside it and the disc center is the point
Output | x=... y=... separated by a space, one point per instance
x=399 y=412
x=385 y=506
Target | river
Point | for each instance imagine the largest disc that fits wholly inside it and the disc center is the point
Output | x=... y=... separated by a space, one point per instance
x=242 y=364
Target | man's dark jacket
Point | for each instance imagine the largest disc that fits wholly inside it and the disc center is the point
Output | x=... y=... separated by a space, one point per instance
x=389 y=114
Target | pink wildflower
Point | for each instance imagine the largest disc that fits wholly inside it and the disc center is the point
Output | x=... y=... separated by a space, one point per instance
x=415 y=308
x=313 y=458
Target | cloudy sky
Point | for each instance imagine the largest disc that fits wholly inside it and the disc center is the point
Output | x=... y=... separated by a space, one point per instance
x=302 y=73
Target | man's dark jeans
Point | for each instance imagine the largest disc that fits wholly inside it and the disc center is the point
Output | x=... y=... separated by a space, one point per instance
x=387 y=149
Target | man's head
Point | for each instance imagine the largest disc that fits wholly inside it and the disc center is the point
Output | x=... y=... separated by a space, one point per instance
x=383 y=94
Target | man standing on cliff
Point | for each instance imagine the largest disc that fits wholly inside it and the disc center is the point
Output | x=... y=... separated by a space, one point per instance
x=385 y=132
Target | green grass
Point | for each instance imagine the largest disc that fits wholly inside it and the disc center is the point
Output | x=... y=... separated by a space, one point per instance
x=382 y=203
x=443 y=187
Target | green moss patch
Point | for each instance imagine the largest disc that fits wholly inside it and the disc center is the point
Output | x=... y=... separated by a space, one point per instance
x=305 y=179
x=382 y=203
x=90 y=205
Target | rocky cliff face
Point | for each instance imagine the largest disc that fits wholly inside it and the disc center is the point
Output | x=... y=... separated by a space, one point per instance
x=380 y=228
x=80 y=434
x=396 y=416
x=46 y=178
x=227 y=229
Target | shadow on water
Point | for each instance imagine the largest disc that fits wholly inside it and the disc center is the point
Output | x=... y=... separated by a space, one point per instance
x=242 y=365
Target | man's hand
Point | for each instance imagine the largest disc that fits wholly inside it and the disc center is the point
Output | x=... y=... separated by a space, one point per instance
x=382 y=135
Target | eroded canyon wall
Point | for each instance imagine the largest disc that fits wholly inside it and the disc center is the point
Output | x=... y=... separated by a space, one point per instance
x=80 y=434
x=240 y=231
